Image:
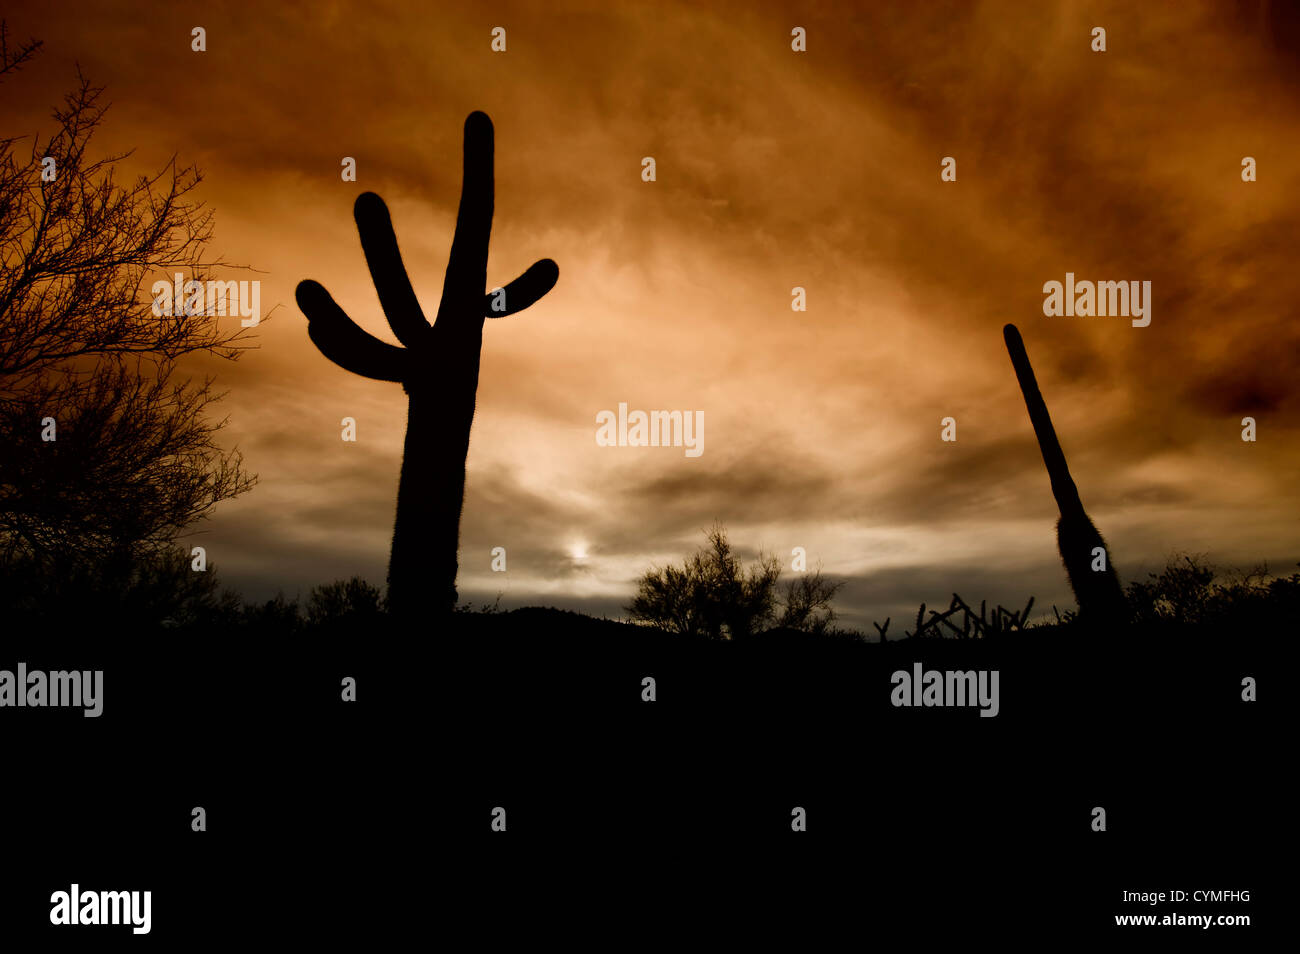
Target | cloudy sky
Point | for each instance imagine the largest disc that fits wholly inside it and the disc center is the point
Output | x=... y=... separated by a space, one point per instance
x=775 y=169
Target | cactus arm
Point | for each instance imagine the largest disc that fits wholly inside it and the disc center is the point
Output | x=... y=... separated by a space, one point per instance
x=525 y=290
x=339 y=339
x=401 y=307
x=462 y=289
x=1063 y=486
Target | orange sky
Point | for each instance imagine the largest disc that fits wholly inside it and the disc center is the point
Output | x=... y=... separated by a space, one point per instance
x=775 y=169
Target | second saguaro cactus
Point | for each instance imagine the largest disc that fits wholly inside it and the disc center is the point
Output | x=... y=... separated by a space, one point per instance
x=1097 y=591
x=438 y=368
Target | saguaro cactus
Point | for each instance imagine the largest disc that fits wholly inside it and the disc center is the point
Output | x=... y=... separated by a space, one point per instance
x=438 y=368
x=1097 y=592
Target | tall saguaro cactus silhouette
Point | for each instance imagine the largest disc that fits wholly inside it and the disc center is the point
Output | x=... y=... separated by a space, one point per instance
x=1097 y=592
x=438 y=368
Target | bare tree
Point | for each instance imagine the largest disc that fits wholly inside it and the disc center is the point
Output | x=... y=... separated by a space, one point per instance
x=13 y=58
x=108 y=452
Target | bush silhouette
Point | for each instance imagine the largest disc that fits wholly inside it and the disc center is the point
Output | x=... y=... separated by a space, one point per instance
x=807 y=604
x=1189 y=593
x=154 y=589
x=275 y=617
x=1097 y=592
x=714 y=596
x=352 y=600
x=438 y=368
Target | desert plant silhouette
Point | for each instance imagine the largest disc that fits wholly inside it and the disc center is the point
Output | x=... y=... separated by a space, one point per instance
x=438 y=368
x=1097 y=592
x=713 y=595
